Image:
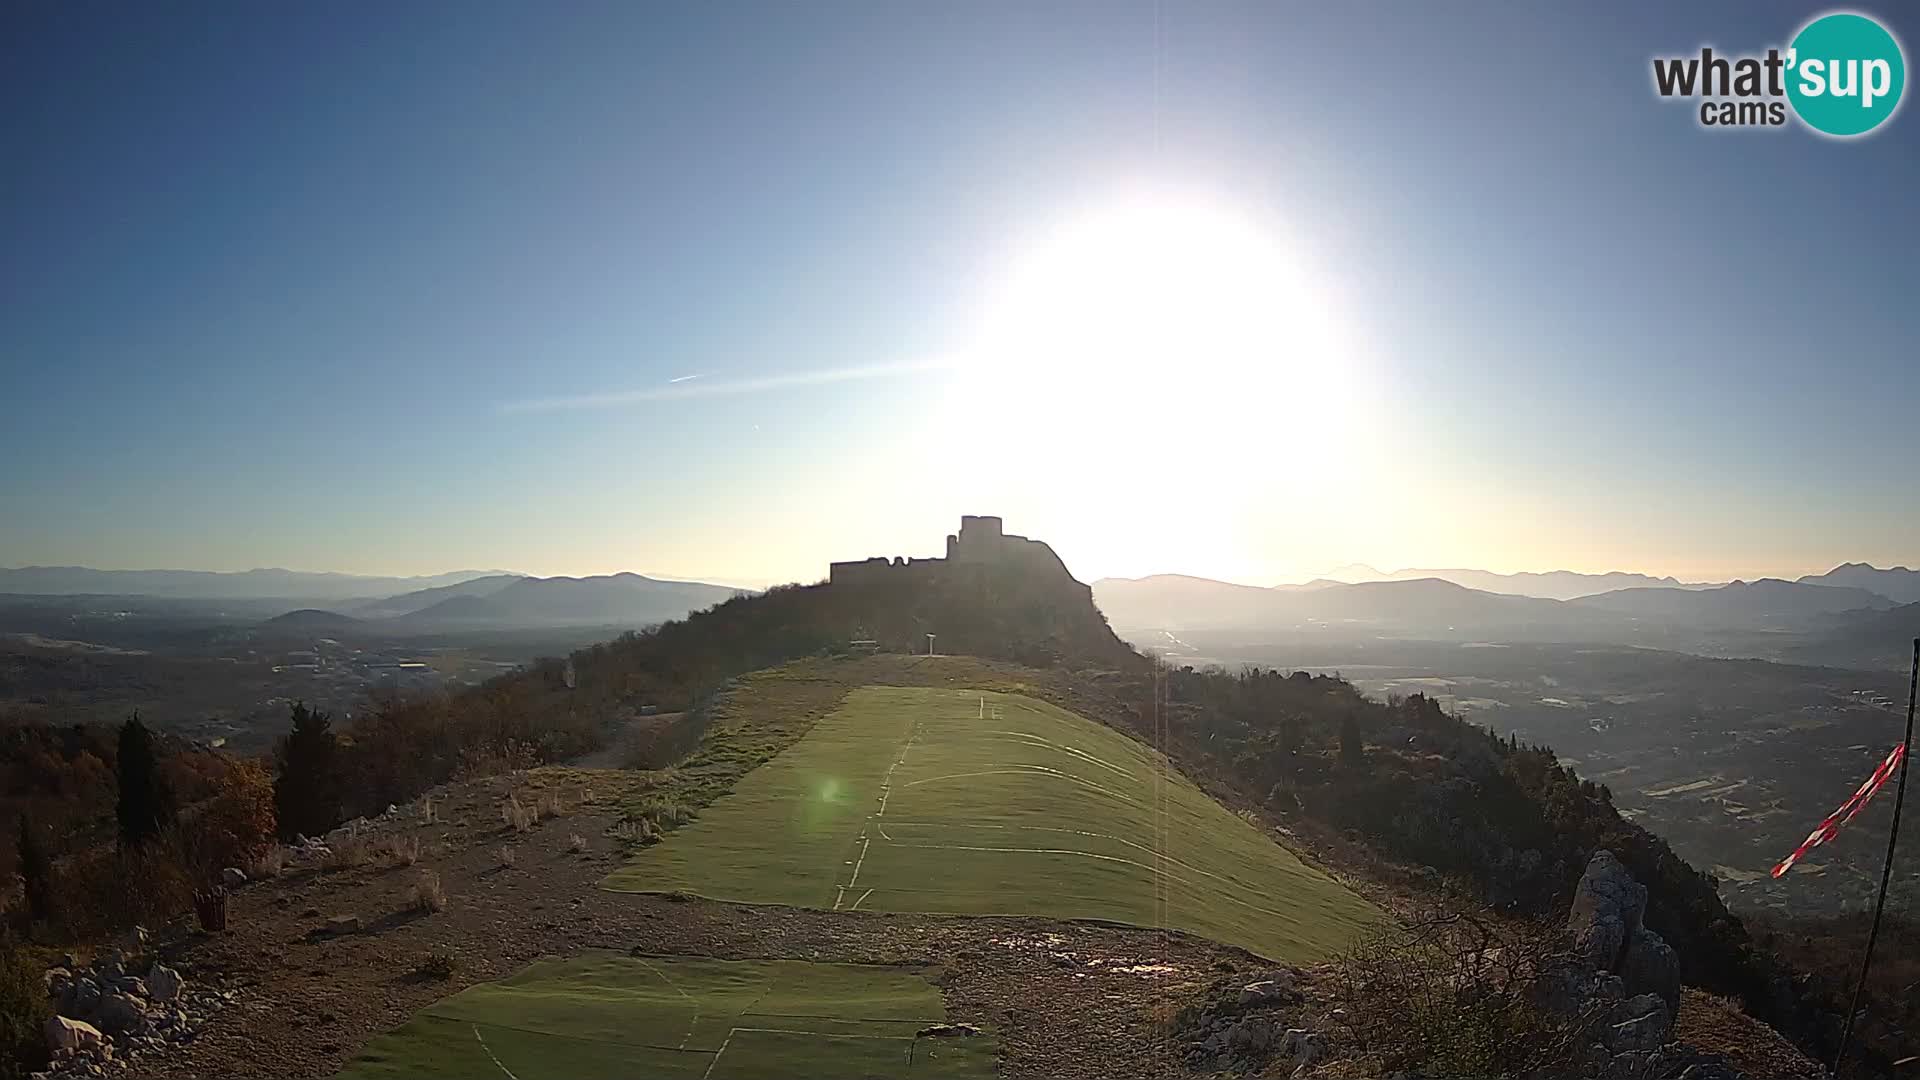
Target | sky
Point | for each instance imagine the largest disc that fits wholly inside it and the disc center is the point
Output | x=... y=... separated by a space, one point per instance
x=729 y=291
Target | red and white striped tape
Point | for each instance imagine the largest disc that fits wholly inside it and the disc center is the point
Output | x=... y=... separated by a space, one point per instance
x=1847 y=810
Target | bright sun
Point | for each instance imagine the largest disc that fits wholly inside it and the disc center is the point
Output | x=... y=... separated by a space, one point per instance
x=1153 y=338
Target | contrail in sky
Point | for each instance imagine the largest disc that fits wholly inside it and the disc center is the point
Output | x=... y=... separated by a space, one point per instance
x=683 y=378
x=677 y=388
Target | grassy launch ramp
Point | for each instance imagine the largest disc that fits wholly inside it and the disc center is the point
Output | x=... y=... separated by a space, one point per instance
x=957 y=801
x=611 y=1015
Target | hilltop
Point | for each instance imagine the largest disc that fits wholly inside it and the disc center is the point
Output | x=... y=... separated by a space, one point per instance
x=1050 y=783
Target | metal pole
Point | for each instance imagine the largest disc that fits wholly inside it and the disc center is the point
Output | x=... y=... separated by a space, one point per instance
x=1886 y=872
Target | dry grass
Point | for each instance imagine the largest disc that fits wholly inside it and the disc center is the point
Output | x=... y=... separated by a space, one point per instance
x=439 y=965
x=347 y=853
x=637 y=832
x=428 y=895
x=1453 y=995
x=577 y=844
x=507 y=856
x=401 y=851
x=268 y=865
x=517 y=815
x=428 y=815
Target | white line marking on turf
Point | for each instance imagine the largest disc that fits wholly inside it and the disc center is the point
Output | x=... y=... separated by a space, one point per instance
x=477 y=1037
x=873 y=820
x=691 y=1024
x=1082 y=781
x=717 y=1053
x=1036 y=740
x=863 y=897
x=824 y=1034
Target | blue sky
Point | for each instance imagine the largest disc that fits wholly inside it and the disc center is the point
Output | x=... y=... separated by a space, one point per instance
x=290 y=287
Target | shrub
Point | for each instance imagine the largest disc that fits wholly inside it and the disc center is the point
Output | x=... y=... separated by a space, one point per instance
x=346 y=853
x=635 y=832
x=237 y=825
x=269 y=864
x=1454 y=995
x=23 y=1010
x=518 y=815
x=507 y=856
x=438 y=964
x=105 y=889
x=36 y=872
x=663 y=813
x=428 y=895
x=577 y=844
x=401 y=851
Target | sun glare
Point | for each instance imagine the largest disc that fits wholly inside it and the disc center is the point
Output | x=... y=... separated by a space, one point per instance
x=1156 y=338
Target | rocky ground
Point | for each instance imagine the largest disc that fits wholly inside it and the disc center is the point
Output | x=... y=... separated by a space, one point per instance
x=314 y=961
x=352 y=936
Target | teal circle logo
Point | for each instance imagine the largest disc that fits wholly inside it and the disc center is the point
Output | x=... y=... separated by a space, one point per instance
x=1845 y=74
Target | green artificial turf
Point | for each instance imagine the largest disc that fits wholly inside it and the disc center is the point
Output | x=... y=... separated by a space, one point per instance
x=958 y=801
x=608 y=1015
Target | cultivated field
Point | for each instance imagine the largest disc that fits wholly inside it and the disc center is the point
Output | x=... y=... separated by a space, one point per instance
x=609 y=1014
x=964 y=802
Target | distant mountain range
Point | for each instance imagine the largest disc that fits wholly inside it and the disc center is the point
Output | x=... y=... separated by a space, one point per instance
x=1444 y=609
x=1898 y=584
x=614 y=599
x=504 y=601
x=213 y=585
x=407 y=603
x=1427 y=606
x=1551 y=585
x=1752 y=604
x=302 y=602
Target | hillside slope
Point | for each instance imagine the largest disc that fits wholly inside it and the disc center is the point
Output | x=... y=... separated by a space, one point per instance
x=975 y=802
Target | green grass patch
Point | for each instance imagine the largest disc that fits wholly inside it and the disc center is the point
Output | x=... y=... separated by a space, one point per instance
x=608 y=1014
x=963 y=801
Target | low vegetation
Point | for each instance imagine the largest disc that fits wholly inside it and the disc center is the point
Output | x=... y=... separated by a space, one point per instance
x=23 y=1009
x=1453 y=995
x=682 y=1017
x=428 y=895
x=438 y=965
x=995 y=804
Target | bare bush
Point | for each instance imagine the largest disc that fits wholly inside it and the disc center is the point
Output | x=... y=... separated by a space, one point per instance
x=401 y=851
x=428 y=895
x=551 y=805
x=517 y=815
x=439 y=964
x=347 y=853
x=577 y=844
x=507 y=856
x=269 y=864
x=1455 y=995
x=635 y=832
x=663 y=813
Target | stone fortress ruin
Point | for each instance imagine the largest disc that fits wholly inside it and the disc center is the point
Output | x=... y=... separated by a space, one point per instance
x=981 y=543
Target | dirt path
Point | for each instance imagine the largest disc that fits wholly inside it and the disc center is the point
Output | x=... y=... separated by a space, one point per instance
x=1068 y=1001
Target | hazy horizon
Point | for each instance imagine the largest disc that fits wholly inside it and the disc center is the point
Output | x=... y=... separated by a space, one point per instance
x=735 y=292
x=1332 y=573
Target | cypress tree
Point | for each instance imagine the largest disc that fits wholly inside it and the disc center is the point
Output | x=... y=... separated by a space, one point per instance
x=306 y=793
x=36 y=872
x=145 y=805
x=1352 y=750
